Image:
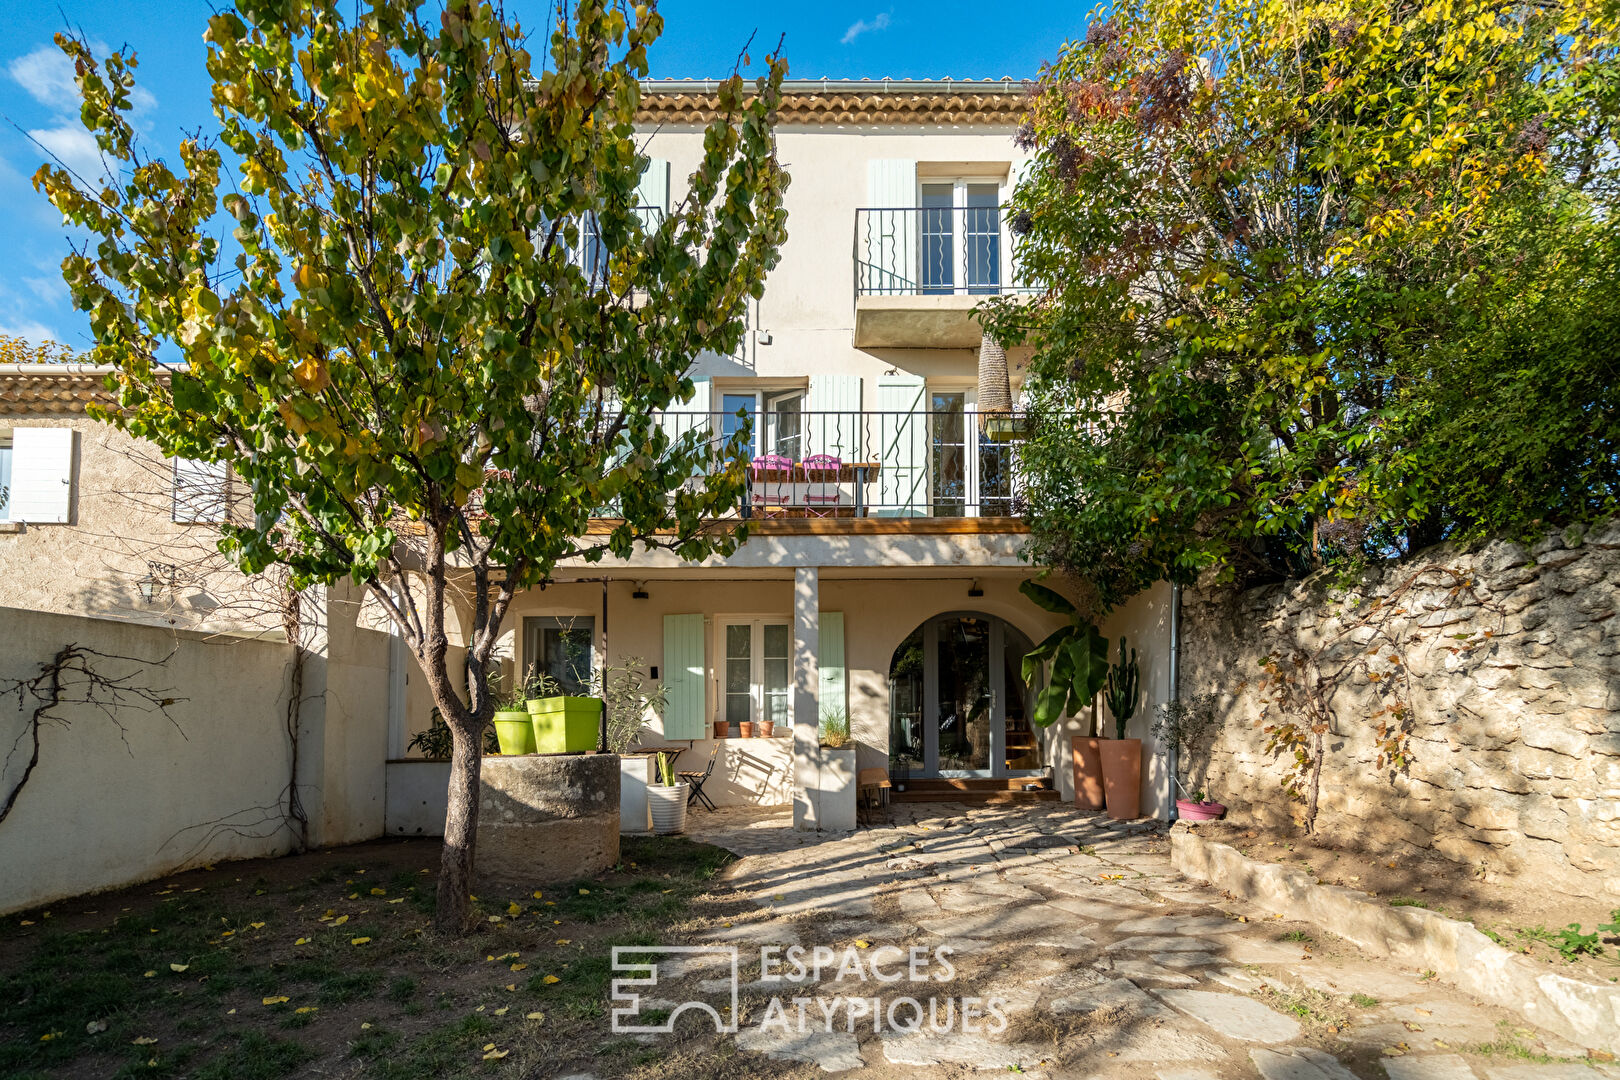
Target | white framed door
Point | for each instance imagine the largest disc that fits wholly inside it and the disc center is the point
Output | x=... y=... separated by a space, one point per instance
x=756 y=669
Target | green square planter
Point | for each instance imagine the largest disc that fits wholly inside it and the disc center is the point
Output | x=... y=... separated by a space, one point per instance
x=564 y=725
x=515 y=732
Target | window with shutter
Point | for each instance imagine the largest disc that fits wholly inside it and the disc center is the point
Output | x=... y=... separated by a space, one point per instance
x=42 y=475
x=201 y=491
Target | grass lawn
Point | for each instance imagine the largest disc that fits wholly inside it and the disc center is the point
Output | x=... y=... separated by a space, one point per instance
x=326 y=964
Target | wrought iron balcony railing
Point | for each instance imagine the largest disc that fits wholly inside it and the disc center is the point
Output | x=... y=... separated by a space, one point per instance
x=934 y=463
x=934 y=251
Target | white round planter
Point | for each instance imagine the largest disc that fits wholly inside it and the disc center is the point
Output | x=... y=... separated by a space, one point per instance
x=668 y=806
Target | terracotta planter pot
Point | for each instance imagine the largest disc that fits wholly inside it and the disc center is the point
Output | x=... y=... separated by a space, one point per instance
x=1088 y=782
x=1122 y=777
x=722 y=728
x=767 y=728
x=747 y=728
x=1187 y=810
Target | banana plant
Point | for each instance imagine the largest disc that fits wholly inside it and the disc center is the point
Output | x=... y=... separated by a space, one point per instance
x=1079 y=660
x=1124 y=689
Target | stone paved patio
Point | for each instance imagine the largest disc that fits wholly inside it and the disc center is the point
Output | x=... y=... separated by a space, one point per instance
x=1109 y=964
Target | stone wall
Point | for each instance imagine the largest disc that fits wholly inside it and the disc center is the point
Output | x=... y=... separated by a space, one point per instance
x=1513 y=683
x=547 y=817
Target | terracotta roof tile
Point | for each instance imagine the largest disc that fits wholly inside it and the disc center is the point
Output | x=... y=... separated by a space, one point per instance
x=990 y=108
x=34 y=393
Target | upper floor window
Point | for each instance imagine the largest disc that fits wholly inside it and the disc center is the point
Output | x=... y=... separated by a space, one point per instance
x=960 y=235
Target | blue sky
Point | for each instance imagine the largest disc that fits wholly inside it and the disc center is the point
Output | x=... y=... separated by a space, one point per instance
x=835 y=39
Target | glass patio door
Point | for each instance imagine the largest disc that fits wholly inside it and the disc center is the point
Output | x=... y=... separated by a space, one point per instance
x=958 y=706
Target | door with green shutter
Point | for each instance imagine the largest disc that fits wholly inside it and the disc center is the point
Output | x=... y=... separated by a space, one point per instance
x=901 y=435
x=685 y=682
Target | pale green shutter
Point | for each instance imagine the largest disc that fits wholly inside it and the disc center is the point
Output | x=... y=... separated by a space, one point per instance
x=1020 y=176
x=684 y=677
x=653 y=188
x=899 y=429
x=890 y=241
x=834 y=405
x=691 y=415
x=830 y=661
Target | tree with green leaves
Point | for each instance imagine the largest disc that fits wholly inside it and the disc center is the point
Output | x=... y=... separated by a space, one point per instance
x=1322 y=281
x=1077 y=653
x=432 y=331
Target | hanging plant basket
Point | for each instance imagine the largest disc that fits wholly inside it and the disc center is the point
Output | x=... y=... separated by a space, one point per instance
x=1005 y=429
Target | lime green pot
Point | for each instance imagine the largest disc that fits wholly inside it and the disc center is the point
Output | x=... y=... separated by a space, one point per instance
x=515 y=733
x=565 y=725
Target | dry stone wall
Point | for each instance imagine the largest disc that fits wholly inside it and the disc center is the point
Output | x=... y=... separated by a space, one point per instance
x=1513 y=684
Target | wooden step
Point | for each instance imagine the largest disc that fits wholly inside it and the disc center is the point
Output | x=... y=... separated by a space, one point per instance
x=967 y=783
x=976 y=798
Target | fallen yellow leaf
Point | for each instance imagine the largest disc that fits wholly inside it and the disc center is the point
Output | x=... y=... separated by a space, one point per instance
x=863 y=944
x=302 y=941
x=562 y=941
x=514 y=909
x=519 y=967
x=379 y=892
x=30 y=922
x=584 y=892
x=143 y=1040
x=494 y=918
x=365 y=1026
x=256 y=925
x=535 y=1016
x=489 y=1046
x=496 y=1055
x=340 y=920
x=178 y=968
x=354 y=896
x=147 y=974
x=549 y=979
x=276 y=1000
x=511 y=986
x=305 y=1009
x=503 y=1010
x=538 y=895
x=397 y=900
x=360 y=941
x=49 y=1035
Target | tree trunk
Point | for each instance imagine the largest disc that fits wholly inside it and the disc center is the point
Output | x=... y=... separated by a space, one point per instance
x=456 y=861
x=1316 y=777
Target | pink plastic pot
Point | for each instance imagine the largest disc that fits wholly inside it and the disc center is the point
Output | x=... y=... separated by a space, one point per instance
x=1187 y=810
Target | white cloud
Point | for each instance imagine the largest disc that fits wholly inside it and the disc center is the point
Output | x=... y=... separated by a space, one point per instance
x=47 y=74
x=48 y=289
x=76 y=149
x=29 y=330
x=879 y=21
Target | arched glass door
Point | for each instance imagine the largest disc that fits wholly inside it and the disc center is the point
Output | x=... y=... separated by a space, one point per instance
x=958 y=705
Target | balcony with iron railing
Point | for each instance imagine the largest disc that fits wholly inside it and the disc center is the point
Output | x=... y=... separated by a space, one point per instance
x=862 y=465
x=920 y=271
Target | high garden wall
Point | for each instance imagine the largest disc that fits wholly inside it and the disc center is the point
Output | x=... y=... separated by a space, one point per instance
x=1499 y=663
x=129 y=795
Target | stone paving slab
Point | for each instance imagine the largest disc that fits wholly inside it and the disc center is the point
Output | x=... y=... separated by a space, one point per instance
x=1083 y=929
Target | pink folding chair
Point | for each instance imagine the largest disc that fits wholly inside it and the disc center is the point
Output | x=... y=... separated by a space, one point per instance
x=822 y=469
x=771 y=476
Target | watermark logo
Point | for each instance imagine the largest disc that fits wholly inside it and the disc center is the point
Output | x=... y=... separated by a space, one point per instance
x=822 y=989
x=643 y=961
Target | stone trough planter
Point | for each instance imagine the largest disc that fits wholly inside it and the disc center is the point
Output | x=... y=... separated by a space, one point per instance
x=546 y=819
x=1586 y=1013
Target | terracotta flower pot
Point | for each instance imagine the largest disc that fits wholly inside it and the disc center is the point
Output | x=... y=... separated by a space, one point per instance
x=722 y=728
x=1187 y=810
x=1088 y=782
x=747 y=728
x=767 y=728
x=1122 y=777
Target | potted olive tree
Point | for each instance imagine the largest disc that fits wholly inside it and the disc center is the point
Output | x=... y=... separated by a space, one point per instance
x=1121 y=758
